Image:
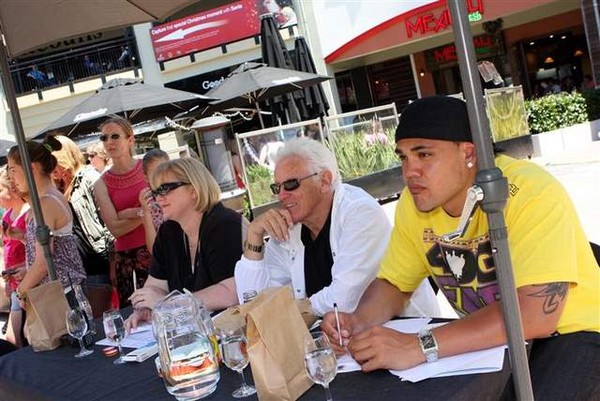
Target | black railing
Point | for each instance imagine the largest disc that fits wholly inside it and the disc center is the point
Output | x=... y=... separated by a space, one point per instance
x=73 y=65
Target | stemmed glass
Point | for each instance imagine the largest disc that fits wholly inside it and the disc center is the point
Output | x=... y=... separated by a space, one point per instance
x=235 y=357
x=320 y=361
x=114 y=328
x=77 y=327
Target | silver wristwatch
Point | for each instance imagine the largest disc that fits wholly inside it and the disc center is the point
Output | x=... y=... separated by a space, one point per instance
x=428 y=345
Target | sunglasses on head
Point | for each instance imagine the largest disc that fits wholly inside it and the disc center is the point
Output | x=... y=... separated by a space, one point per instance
x=114 y=137
x=164 y=189
x=289 y=185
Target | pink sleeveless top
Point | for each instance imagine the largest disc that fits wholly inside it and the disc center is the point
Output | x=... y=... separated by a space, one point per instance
x=123 y=190
x=14 y=250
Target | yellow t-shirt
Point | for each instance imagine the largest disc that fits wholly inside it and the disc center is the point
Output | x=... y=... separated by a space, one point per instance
x=546 y=240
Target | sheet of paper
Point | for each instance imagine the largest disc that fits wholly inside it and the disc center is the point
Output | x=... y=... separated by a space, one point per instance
x=489 y=360
x=140 y=337
x=347 y=364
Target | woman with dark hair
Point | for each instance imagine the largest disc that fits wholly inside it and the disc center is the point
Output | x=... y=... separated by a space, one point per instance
x=152 y=216
x=57 y=216
x=117 y=198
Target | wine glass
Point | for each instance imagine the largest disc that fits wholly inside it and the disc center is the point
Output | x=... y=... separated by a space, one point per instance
x=77 y=327
x=114 y=328
x=235 y=357
x=320 y=361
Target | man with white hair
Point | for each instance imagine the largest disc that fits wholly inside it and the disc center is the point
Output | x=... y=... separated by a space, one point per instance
x=327 y=238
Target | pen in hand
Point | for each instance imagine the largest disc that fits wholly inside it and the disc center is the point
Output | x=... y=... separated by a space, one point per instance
x=337 y=323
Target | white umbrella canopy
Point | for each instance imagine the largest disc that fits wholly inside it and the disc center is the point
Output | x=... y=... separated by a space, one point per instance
x=132 y=99
x=252 y=82
x=27 y=25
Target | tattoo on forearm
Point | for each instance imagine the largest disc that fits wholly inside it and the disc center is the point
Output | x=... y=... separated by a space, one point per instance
x=553 y=294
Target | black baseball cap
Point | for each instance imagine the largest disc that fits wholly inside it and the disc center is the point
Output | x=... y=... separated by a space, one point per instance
x=435 y=117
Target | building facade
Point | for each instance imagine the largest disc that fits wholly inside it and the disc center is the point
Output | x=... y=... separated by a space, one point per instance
x=378 y=52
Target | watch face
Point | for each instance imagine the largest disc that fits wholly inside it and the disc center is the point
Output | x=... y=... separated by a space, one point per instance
x=428 y=341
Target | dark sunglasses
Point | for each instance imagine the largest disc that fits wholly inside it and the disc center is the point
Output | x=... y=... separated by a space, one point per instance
x=289 y=185
x=164 y=189
x=114 y=137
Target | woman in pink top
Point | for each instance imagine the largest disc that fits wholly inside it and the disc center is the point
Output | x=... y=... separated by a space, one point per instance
x=117 y=198
x=13 y=238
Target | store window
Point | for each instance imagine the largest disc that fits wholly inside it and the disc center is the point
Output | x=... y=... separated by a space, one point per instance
x=346 y=92
x=442 y=62
x=392 y=81
x=555 y=63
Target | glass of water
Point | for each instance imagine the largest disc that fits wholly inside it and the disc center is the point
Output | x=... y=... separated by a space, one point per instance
x=235 y=356
x=77 y=327
x=114 y=328
x=320 y=361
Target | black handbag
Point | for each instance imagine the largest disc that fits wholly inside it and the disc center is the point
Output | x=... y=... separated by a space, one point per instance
x=94 y=263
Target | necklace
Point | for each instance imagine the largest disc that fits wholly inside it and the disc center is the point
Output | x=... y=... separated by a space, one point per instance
x=192 y=254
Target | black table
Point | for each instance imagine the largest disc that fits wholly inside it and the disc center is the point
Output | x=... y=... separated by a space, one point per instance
x=58 y=376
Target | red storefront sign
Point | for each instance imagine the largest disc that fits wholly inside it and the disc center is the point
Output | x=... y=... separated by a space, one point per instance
x=205 y=30
x=484 y=45
x=436 y=21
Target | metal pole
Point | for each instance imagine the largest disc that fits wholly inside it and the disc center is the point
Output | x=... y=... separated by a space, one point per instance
x=495 y=189
x=42 y=232
x=262 y=124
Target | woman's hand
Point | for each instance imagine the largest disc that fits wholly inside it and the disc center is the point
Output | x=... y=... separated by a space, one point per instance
x=146 y=297
x=136 y=318
x=145 y=198
x=19 y=273
x=14 y=233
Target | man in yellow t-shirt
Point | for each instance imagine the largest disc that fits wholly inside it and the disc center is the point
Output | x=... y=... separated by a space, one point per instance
x=556 y=275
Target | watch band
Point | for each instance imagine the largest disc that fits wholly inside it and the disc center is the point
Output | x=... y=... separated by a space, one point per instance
x=429 y=345
x=252 y=247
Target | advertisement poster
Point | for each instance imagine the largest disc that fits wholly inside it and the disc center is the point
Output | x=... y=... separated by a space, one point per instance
x=216 y=27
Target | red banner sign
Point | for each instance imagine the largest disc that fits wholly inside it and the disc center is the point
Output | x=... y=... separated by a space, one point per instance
x=206 y=30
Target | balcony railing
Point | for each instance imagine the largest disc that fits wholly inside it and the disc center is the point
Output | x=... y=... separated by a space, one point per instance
x=73 y=65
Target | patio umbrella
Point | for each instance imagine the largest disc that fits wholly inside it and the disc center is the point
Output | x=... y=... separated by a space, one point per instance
x=495 y=194
x=130 y=98
x=314 y=98
x=251 y=83
x=5 y=144
x=28 y=25
x=275 y=54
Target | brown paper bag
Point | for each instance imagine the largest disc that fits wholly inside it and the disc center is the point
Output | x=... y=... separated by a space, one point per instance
x=276 y=334
x=46 y=309
x=235 y=316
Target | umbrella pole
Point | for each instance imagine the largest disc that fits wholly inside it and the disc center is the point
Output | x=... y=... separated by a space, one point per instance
x=495 y=189
x=42 y=233
x=262 y=123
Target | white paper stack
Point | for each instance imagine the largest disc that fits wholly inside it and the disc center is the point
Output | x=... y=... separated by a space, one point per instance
x=484 y=361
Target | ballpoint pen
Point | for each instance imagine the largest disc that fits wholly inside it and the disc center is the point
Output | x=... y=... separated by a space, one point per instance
x=337 y=323
x=134 y=281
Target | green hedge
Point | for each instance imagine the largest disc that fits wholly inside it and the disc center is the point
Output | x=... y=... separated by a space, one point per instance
x=556 y=111
x=592 y=100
